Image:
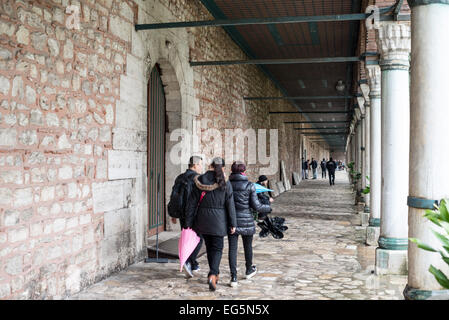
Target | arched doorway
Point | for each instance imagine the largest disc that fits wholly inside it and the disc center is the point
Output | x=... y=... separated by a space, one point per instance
x=156 y=152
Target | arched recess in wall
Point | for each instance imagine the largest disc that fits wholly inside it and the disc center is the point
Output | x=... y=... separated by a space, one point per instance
x=164 y=116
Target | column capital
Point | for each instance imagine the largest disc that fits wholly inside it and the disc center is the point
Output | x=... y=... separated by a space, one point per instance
x=394 y=44
x=415 y=3
x=374 y=81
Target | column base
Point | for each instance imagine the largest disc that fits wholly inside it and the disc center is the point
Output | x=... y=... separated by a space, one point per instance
x=372 y=235
x=364 y=216
x=374 y=222
x=417 y=294
x=391 y=262
x=367 y=210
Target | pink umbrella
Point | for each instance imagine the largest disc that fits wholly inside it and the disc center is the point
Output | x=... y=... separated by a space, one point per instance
x=187 y=243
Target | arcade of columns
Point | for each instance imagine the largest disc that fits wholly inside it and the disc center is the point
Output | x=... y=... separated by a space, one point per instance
x=398 y=139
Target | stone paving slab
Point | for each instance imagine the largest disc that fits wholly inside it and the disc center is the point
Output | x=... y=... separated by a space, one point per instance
x=321 y=257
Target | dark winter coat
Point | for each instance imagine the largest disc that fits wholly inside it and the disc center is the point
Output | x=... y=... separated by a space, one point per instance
x=323 y=165
x=245 y=198
x=305 y=165
x=331 y=166
x=216 y=212
x=264 y=198
x=314 y=164
x=186 y=176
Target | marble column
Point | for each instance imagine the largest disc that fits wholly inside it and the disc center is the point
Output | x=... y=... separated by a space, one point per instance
x=429 y=114
x=374 y=81
x=359 y=153
x=363 y=155
x=354 y=149
x=393 y=43
x=367 y=150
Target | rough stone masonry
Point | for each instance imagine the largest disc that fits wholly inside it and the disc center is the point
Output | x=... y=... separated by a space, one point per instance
x=73 y=130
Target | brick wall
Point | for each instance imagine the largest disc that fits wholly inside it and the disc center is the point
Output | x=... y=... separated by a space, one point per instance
x=73 y=197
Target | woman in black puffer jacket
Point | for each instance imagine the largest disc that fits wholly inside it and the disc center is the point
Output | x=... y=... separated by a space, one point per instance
x=245 y=198
x=210 y=212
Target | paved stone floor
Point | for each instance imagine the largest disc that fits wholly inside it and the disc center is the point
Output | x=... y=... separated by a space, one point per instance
x=321 y=257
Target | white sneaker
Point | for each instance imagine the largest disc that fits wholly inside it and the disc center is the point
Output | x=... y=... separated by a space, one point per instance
x=188 y=270
x=251 y=273
x=233 y=283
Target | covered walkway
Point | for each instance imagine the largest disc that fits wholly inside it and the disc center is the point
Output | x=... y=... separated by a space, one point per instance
x=322 y=256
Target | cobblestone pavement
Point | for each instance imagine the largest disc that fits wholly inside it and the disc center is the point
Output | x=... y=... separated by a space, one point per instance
x=322 y=256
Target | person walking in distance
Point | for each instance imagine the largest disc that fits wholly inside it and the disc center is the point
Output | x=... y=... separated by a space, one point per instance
x=245 y=199
x=181 y=192
x=331 y=166
x=314 y=166
x=323 y=168
x=211 y=213
x=304 y=169
x=308 y=167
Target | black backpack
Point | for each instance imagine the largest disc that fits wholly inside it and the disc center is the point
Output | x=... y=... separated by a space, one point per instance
x=178 y=198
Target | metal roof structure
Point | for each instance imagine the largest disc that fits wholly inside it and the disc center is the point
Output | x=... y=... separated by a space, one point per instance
x=307 y=47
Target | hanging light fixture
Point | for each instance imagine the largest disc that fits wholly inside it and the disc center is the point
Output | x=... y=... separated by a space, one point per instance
x=340 y=86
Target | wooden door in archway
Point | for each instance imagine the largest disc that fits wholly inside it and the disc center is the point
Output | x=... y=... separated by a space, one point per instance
x=156 y=152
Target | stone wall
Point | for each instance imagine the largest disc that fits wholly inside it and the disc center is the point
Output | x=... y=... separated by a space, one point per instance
x=73 y=131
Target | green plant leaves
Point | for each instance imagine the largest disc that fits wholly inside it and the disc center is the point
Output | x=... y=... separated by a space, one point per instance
x=440 y=217
x=439 y=276
x=445 y=259
x=366 y=190
x=443 y=211
x=422 y=245
x=443 y=239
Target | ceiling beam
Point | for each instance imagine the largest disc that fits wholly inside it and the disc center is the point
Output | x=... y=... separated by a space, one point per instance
x=327 y=139
x=252 y=21
x=326 y=134
x=317 y=121
x=321 y=128
x=294 y=112
x=262 y=21
x=397 y=9
x=276 y=61
x=302 y=98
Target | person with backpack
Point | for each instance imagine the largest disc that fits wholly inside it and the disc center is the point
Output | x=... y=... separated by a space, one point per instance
x=314 y=166
x=323 y=168
x=211 y=213
x=180 y=194
x=331 y=166
x=245 y=199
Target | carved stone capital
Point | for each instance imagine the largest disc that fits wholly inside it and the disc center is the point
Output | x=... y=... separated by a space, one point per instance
x=394 y=44
x=374 y=80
